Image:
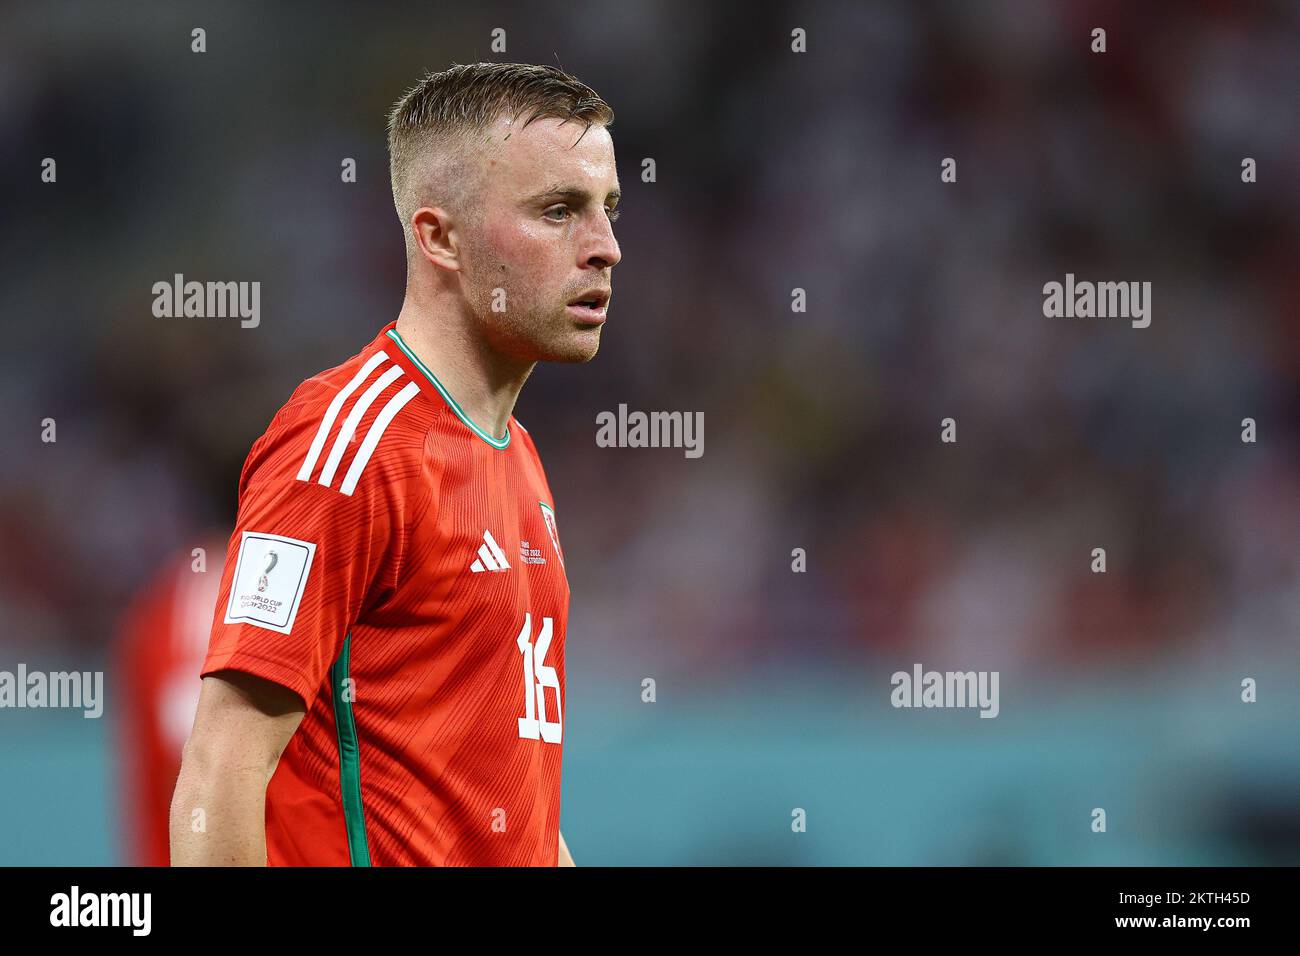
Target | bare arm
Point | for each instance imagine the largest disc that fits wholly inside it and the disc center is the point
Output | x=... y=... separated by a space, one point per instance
x=565 y=858
x=218 y=812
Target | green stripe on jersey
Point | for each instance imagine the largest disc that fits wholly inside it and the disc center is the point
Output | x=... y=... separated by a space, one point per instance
x=354 y=813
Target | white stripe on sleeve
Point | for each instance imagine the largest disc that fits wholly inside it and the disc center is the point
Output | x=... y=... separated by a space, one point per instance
x=376 y=432
x=332 y=413
x=350 y=423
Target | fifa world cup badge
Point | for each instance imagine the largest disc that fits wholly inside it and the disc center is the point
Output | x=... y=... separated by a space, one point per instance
x=271 y=559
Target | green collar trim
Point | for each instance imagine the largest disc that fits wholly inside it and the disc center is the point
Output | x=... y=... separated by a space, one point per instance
x=460 y=412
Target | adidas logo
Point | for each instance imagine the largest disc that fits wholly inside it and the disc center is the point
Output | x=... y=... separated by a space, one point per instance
x=490 y=556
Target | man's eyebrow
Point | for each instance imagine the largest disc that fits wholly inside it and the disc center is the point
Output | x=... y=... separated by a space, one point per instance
x=573 y=194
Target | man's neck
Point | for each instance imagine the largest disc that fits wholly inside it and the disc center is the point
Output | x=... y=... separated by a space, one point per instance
x=485 y=384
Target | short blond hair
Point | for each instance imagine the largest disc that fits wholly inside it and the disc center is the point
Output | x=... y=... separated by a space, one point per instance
x=467 y=98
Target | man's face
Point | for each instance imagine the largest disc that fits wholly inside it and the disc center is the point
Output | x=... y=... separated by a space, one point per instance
x=540 y=239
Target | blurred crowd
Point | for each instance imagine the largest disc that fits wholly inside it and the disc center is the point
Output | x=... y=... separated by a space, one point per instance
x=774 y=171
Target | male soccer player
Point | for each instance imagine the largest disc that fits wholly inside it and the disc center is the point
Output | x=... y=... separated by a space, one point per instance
x=385 y=679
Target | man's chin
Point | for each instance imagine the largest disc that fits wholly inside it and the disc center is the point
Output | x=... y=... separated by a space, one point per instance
x=581 y=346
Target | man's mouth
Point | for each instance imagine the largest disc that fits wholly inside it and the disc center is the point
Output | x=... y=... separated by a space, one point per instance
x=590 y=306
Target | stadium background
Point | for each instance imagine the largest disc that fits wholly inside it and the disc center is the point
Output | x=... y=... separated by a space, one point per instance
x=774 y=171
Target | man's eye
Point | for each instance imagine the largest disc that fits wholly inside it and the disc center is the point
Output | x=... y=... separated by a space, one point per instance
x=563 y=212
x=612 y=213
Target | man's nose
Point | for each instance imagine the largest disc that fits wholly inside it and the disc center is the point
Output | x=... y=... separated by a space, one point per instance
x=602 y=250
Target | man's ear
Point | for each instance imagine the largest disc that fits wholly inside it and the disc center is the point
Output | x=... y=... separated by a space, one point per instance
x=436 y=236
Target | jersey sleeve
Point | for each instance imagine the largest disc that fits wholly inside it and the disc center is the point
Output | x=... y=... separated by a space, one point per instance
x=302 y=563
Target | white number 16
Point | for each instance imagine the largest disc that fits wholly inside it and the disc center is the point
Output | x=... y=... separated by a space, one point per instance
x=538 y=677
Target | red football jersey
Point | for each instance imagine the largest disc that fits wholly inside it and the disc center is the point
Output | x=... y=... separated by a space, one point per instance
x=399 y=568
